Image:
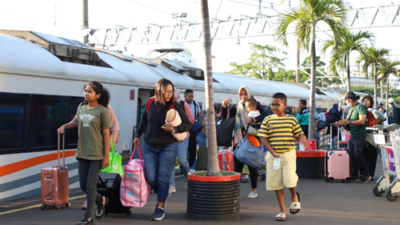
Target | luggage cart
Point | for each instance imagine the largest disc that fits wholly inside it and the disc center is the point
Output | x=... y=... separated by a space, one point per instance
x=388 y=139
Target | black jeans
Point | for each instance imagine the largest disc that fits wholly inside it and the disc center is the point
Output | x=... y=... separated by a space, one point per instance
x=357 y=158
x=89 y=171
x=192 y=149
x=305 y=129
x=371 y=156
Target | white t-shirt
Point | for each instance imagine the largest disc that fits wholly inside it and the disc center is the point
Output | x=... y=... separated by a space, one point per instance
x=254 y=114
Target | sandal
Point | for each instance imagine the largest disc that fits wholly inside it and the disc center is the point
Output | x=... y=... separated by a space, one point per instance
x=280 y=217
x=295 y=205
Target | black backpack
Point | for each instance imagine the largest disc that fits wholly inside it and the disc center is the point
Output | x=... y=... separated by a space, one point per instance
x=183 y=105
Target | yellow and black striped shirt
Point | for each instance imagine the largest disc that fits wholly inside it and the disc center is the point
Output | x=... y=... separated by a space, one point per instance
x=280 y=132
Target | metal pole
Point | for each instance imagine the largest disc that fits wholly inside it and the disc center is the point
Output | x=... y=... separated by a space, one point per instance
x=55 y=14
x=85 y=20
x=259 y=7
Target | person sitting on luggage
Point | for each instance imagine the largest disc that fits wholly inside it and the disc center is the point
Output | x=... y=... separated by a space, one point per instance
x=160 y=148
x=357 y=121
x=93 y=145
x=277 y=134
x=252 y=112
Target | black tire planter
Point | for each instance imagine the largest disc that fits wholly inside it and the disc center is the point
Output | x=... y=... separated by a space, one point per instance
x=213 y=198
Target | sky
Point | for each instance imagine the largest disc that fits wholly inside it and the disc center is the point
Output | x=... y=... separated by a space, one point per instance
x=64 y=18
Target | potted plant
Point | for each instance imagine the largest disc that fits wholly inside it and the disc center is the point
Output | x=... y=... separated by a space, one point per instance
x=212 y=194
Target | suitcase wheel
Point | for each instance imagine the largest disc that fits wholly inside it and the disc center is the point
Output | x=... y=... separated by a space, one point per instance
x=331 y=180
x=128 y=213
x=43 y=207
x=59 y=207
x=68 y=204
x=347 y=180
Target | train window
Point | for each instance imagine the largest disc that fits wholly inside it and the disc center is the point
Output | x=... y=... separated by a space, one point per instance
x=71 y=137
x=48 y=114
x=13 y=111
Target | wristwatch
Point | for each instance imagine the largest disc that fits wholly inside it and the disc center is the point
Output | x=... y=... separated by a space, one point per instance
x=173 y=131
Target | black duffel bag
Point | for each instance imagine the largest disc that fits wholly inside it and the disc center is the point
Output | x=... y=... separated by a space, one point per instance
x=225 y=127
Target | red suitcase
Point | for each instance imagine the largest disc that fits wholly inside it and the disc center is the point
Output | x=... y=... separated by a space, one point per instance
x=225 y=160
x=337 y=166
x=55 y=184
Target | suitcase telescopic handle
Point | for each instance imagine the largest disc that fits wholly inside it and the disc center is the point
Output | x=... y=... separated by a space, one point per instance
x=58 y=153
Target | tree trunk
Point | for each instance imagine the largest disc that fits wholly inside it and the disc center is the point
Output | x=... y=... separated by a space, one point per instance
x=382 y=92
x=298 y=64
x=375 y=86
x=348 y=72
x=311 y=126
x=213 y=167
x=387 y=93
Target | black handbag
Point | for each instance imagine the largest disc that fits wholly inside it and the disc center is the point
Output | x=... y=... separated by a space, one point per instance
x=225 y=127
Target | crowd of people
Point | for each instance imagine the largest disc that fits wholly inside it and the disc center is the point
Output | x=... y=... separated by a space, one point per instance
x=276 y=129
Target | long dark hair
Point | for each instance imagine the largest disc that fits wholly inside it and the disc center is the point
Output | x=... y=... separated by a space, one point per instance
x=99 y=89
x=161 y=87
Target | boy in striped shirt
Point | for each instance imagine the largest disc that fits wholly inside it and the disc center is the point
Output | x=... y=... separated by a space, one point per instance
x=277 y=134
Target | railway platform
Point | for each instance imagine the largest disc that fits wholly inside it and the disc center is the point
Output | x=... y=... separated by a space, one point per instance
x=322 y=203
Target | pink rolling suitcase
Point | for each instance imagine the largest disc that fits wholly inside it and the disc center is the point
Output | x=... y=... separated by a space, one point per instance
x=337 y=166
x=55 y=184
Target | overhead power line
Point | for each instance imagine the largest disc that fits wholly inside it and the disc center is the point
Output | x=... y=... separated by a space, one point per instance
x=150 y=7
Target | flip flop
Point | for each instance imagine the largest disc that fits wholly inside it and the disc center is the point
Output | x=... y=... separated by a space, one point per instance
x=280 y=217
x=295 y=205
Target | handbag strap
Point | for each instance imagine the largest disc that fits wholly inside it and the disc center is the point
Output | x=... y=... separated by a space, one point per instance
x=133 y=152
x=112 y=147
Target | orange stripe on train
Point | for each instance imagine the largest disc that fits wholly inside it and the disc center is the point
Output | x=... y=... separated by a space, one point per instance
x=25 y=164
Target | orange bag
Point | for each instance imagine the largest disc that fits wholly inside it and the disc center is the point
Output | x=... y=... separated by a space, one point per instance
x=253 y=140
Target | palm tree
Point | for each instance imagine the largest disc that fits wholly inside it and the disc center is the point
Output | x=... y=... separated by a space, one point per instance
x=305 y=18
x=386 y=69
x=373 y=58
x=213 y=168
x=349 y=42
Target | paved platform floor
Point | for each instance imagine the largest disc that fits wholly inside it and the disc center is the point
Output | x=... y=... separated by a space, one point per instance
x=322 y=203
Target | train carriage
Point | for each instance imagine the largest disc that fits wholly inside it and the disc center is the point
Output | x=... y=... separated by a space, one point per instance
x=41 y=84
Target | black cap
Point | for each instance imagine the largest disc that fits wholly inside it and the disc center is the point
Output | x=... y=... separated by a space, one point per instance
x=351 y=95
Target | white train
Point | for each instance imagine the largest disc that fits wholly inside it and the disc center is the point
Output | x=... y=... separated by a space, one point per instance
x=41 y=84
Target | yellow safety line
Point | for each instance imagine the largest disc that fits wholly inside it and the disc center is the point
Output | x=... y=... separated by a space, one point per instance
x=34 y=206
x=39 y=205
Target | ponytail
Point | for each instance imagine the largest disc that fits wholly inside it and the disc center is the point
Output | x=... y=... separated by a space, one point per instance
x=99 y=89
x=104 y=98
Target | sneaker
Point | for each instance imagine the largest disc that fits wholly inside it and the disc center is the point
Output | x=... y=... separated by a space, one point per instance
x=158 y=214
x=86 y=221
x=252 y=195
x=365 y=179
x=172 y=189
x=192 y=170
x=84 y=206
x=245 y=179
x=101 y=208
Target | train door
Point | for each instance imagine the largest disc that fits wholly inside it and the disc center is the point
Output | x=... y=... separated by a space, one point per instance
x=144 y=95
